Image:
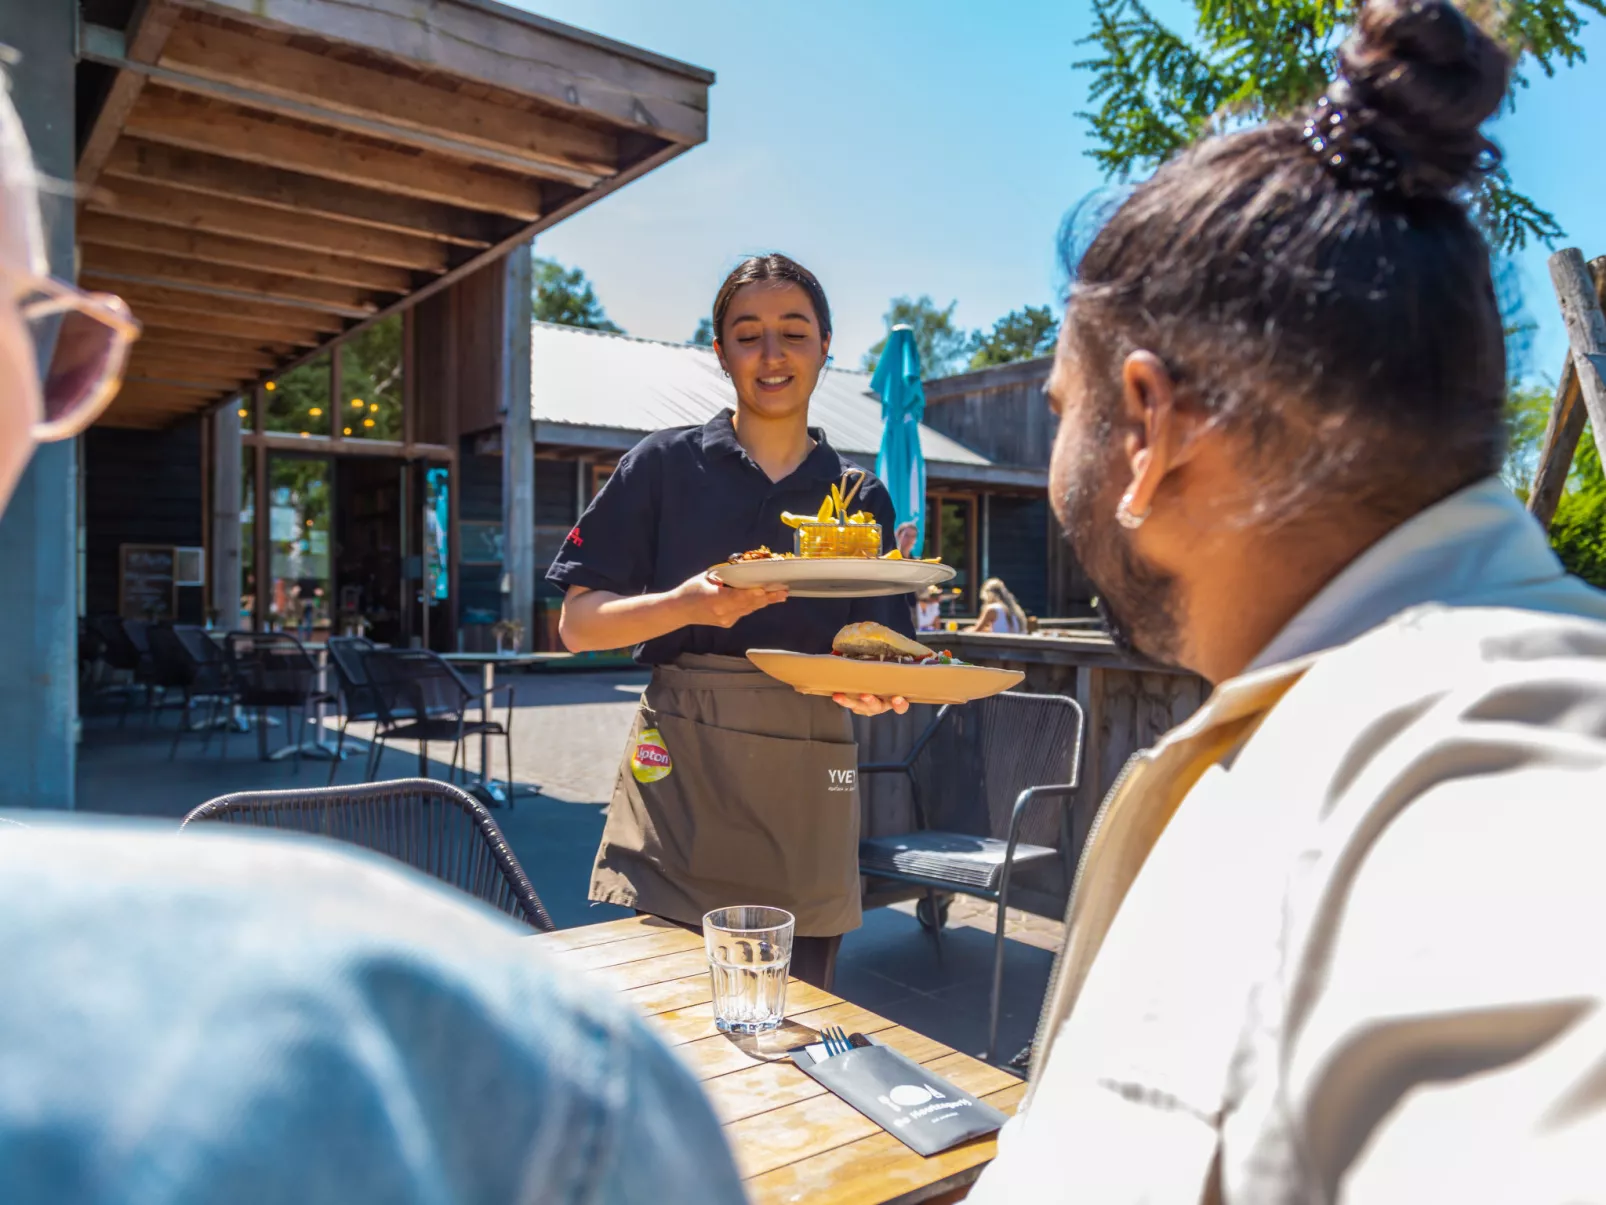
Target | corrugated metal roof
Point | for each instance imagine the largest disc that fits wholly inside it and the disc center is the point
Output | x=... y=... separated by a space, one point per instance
x=586 y=378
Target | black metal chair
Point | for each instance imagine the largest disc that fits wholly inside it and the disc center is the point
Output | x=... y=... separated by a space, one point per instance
x=274 y=669
x=428 y=825
x=359 y=697
x=187 y=660
x=982 y=778
x=122 y=652
x=421 y=698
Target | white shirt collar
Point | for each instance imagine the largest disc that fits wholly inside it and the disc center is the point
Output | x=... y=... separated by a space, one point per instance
x=1476 y=542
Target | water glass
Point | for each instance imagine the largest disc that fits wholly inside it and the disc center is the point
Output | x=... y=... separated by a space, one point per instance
x=749 y=953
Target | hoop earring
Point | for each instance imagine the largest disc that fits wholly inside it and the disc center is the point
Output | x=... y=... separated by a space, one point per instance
x=1125 y=516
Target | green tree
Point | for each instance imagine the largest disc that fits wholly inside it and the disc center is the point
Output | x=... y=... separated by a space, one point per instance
x=564 y=296
x=703 y=336
x=943 y=346
x=1156 y=90
x=1019 y=335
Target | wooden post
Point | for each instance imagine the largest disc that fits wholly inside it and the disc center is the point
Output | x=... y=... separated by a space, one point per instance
x=518 y=446
x=1565 y=426
x=223 y=553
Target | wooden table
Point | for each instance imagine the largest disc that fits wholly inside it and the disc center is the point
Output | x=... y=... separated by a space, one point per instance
x=793 y=1141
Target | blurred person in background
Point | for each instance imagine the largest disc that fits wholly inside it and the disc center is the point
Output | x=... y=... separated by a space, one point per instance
x=1337 y=936
x=928 y=609
x=232 y=1018
x=999 y=611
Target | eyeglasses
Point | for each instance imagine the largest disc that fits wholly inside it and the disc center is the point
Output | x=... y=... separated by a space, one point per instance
x=83 y=339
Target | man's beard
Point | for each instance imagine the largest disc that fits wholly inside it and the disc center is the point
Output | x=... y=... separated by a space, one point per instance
x=1137 y=600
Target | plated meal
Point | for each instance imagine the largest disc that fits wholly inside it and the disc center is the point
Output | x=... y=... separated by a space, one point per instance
x=872 y=659
x=837 y=554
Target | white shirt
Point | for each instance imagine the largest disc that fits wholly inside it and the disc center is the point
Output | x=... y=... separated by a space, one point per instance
x=1338 y=935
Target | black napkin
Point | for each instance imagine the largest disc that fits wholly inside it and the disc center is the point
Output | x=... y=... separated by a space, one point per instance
x=923 y=1111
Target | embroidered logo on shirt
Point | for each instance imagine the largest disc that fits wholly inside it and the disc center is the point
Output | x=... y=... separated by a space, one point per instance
x=574 y=536
x=650 y=761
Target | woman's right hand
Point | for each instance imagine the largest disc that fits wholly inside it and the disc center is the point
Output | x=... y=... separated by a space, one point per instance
x=707 y=602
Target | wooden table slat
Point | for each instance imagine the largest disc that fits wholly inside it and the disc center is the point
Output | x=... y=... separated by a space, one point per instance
x=879 y=1170
x=635 y=949
x=596 y=935
x=689 y=1023
x=652 y=970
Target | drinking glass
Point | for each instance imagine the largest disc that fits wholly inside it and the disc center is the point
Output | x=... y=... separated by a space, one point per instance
x=749 y=952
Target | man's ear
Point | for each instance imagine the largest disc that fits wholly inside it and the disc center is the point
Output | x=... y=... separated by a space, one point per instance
x=1157 y=437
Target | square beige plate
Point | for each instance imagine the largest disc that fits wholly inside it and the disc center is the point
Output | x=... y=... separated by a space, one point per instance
x=827 y=674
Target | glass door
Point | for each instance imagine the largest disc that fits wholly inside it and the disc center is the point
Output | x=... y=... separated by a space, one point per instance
x=299 y=519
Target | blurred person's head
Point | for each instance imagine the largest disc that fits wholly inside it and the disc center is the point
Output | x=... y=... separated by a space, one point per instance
x=905 y=536
x=993 y=591
x=1283 y=344
x=80 y=340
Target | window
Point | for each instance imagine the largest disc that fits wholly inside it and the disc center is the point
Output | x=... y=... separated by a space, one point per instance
x=298 y=402
x=951 y=534
x=370 y=394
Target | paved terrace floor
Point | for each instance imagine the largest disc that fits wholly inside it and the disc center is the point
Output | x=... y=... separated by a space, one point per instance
x=568 y=731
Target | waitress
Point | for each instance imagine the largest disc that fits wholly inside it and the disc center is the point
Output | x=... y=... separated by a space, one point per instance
x=734 y=788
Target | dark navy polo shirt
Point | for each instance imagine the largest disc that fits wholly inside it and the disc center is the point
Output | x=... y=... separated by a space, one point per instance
x=682 y=501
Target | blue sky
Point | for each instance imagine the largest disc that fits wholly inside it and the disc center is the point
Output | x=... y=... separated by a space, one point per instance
x=902 y=148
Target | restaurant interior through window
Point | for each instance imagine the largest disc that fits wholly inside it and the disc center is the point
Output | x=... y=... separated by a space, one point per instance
x=358 y=519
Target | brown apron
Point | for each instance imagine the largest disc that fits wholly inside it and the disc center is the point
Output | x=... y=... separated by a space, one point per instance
x=734 y=789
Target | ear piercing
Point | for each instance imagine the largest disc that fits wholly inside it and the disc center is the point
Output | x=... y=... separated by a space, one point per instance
x=1124 y=514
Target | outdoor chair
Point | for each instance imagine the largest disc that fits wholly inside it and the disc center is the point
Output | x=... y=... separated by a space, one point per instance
x=991 y=783
x=422 y=698
x=429 y=825
x=359 y=697
x=121 y=652
x=187 y=660
x=274 y=669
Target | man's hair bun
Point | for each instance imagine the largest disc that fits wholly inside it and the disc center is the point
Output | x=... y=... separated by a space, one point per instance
x=1417 y=79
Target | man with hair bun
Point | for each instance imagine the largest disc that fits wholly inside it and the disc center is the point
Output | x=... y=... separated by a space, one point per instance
x=1337 y=937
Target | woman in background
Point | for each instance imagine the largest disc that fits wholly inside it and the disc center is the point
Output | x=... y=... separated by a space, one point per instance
x=999 y=611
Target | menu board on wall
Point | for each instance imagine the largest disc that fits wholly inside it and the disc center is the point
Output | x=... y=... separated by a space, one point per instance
x=146 y=581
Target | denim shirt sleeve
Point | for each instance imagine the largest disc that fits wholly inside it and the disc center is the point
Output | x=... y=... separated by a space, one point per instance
x=255 y=1018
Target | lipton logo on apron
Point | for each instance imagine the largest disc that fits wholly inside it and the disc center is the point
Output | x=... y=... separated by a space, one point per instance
x=650 y=759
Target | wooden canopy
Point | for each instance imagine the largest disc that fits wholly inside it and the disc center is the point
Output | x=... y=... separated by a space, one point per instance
x=260 y=178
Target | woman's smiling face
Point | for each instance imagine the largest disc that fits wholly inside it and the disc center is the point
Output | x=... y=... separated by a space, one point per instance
x=772 y=347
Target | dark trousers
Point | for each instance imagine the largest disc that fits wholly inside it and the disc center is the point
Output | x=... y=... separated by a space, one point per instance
x=813 y=958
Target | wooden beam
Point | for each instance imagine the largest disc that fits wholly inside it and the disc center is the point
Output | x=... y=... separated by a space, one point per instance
x=240 y=219
x=1563 y=429
x=163 y=360
x=149 y=267
x=210 y=386
x=168 y=341
x=251 y=329
x=173 y=119
x=533 y=142
x=174 y=298
x=216 y=176
x=148 y=29
x=108 y=230
x=569 y=69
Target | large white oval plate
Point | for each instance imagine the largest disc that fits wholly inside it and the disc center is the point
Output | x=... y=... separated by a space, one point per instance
x=824 y=674
x=834 y=577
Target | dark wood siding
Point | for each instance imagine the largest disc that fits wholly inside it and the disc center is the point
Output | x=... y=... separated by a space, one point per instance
x=1000 y=412
x=1017 y=551
x=140 y=487
x=556 y=503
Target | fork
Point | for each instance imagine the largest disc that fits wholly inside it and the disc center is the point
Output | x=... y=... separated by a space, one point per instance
x=836 y=1041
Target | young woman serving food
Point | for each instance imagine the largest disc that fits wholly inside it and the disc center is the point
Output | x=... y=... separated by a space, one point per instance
x=734 y=787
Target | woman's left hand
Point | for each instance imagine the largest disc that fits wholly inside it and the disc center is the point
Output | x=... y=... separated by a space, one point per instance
x=872 y=704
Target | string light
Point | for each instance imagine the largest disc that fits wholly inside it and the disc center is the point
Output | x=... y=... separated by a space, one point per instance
x=347 y=431
x=315 y=411
x=244 y=414
x=374 y=406
x=367 y=422
x=270 y=386
x=357 y=403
